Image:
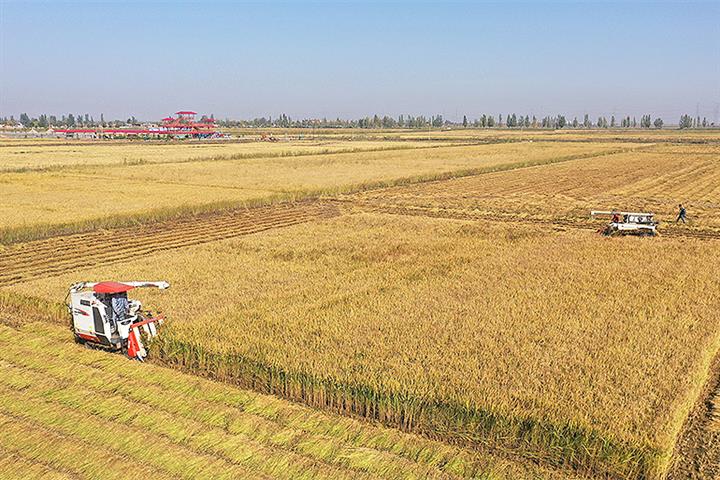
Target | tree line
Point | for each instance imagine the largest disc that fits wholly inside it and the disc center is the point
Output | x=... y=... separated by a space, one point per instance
x=387 y=122
x=68 y=121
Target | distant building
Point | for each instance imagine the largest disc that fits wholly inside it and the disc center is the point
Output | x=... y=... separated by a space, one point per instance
x=182 y=126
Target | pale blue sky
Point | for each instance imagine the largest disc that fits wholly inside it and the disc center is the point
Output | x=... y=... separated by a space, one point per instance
x=351 y=59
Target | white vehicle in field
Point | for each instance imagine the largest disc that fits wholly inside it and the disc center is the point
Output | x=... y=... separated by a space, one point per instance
x=627 y=223
x=94 y=321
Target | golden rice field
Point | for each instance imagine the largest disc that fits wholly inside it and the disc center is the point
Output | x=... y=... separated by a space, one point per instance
x=37 y=204
x=458 y=292
x=77 y=413
x=502 y=335
x=50 y=154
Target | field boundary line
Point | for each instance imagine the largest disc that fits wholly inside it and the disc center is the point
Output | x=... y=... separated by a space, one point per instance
x=22 y=235
x=481 y=170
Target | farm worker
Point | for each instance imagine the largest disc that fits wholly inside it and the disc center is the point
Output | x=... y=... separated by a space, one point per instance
x=615 y=218
x=682 y=214
x=120 y=307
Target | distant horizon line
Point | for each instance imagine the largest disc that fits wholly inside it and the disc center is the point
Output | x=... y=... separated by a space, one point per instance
x=80 y=118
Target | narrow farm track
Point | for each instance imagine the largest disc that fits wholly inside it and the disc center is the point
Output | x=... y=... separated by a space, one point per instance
x=54 y=256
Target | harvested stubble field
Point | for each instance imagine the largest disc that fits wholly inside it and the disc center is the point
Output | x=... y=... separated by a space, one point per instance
x=76 y=413
x=703 y=136
x=40 y=204
x=655 y=179
x=624 y=135
x=557 y=347
x=507 y=336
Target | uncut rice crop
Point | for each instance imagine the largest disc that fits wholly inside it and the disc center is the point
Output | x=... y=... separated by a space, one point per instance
x=562 y=347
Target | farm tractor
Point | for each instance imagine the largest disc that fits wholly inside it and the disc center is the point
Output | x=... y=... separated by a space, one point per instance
x=627 y=223
x=102 y=316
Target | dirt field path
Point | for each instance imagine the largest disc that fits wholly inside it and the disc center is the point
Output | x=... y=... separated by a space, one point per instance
x=53 y=256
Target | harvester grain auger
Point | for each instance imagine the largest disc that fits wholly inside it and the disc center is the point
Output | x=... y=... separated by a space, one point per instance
x=627 y=223
x=101 y=315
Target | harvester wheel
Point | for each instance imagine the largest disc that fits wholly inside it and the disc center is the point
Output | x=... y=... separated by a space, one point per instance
x=79 y=341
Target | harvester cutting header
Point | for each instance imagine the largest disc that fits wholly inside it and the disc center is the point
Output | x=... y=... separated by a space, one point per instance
x=102 y=315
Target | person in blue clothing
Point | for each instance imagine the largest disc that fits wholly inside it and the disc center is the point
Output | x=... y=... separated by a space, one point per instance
x=120 y=308
x=682 y=214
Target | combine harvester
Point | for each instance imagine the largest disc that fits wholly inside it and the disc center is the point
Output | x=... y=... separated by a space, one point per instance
x=94 y=322
x=627 y=223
